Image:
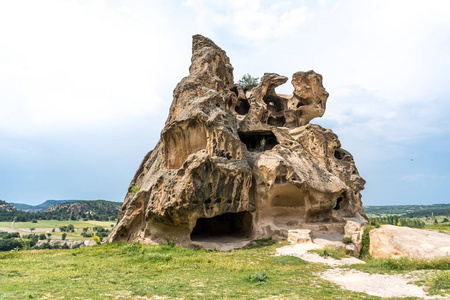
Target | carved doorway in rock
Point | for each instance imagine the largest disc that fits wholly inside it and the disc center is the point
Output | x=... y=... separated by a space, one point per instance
x=287 y=204
x=225 y=227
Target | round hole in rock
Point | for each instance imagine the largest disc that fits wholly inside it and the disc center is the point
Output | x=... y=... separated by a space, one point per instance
x=339 y=153
x=229 y=225
x=242 y=107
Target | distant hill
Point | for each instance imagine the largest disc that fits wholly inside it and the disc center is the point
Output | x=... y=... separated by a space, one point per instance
x=86 y=207
x=100 y=210
x=409 y=211
x=43 y=206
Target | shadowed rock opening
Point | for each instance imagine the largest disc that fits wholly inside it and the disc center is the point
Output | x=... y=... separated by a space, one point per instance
x=274 y=104
x=235 y=90
x=339 y=153
x=259 y=141
x=277 y=121
x=233 y=225
x=341 y=205
x=338 y=203
x=319 y=215
x=287 y=205
x=287 y=195
x=242 y=107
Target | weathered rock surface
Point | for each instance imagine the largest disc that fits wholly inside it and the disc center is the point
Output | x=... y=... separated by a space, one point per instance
x=297 y=236
x=6 y=206
x=70 y=244
x=83 y=207
x=232 y=166
x=390 y=241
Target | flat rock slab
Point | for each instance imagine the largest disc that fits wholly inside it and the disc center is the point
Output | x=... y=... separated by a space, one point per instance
x=390 y=241
x=296 y=236
x=301 y=251
x=375 y=284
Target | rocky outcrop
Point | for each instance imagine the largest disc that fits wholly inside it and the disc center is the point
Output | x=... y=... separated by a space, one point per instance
x=390 y=241
x=6 y=206
x=69 y=244
x=87 y=207
x=231 y=166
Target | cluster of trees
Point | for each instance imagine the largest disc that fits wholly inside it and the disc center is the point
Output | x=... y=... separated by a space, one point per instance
x=399 y=221
x=23 y=216
x=12 y=241
x=101 y=232
x=68 y=228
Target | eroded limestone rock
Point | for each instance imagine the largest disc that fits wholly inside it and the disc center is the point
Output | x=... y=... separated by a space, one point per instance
x=390 y=241
x=231 y=167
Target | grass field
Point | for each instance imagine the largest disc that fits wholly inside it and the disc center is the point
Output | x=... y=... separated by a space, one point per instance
x=445 y=228
x=135 y=271
x=56 y=224
x=47 y=226
x=124 y=271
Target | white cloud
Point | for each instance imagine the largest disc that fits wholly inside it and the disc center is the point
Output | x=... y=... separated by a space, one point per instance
x=251 y=20
x=73 y=64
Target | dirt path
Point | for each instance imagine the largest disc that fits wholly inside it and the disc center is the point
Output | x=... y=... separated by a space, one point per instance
x=7 y=229
x=380 y=285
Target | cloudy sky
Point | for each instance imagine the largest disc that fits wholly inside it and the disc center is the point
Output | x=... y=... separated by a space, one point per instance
x=85 y=86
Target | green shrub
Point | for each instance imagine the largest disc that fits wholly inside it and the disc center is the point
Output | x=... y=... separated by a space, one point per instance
x=331 y=251
x=365 y=242
x=45 y=245
x=439 y=283
x=171 y=242
x=406 y=263
x=247 y=82
x=260 y=243
x=134 y=189
x=347 y=240
x=96 y=239
x=10 y=244
x=257 y=277
x=158 y=257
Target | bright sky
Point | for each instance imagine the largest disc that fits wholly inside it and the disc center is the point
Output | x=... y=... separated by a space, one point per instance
x=85 y=86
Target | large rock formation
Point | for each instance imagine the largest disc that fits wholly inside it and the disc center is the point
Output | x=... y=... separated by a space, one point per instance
x=232 y=166
x=390 y=241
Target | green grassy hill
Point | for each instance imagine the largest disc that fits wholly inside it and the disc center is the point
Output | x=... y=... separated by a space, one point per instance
x=409 y=211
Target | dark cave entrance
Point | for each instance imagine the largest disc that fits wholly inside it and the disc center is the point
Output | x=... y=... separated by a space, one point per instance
x=259 y=141
x=229 y=225
x=242 y=107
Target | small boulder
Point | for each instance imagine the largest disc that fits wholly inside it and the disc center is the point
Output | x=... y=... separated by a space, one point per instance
x=298 y=236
